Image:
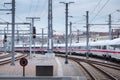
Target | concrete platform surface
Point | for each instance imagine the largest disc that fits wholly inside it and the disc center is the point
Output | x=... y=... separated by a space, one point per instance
x=42 y=78
x=61 y=71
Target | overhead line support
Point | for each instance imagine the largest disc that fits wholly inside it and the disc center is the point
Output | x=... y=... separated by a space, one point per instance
x=87 y=34
x=66 y=28
x=31 y=29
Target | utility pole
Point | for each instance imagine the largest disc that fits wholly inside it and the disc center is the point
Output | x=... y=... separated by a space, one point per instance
x=110 y=28
x=66 y=28
x=7 y=34
x=32 y=24
x=66 y=33
x=78 y=31
x=13 y=32
x=5 y=40
x=70 y=37
x=7 y=28
x=23 y=41
x=110 y=31
x=87 y=34
x=42 y=38
x=50 y=27
x=17 y=36
x=30 y=41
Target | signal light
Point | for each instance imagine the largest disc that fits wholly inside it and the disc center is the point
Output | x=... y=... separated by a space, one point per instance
x=34 y=32
x=17 y=36
x=5 y=37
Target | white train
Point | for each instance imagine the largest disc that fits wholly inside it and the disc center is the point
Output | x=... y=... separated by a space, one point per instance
x=103 y=47
x=107 y=48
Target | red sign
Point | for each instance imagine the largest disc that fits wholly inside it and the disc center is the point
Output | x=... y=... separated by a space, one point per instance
x=23 y=62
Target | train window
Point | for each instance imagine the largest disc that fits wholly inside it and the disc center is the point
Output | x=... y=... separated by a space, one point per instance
x=59 y=47
x=104 y=47
x=54 y=47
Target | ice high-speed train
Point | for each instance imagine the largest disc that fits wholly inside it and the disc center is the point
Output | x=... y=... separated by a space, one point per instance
x=109 y=48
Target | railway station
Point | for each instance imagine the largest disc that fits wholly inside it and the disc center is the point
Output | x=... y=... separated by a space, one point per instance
x=52 y=40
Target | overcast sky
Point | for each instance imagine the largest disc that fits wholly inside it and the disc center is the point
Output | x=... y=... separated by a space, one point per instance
x=98 y=13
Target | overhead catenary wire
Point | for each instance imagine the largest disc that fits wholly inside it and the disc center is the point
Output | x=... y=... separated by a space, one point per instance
x=15 y=15
x=44 y=8
x=78 y=21
x=30 y=7
x=37 y=5
x=100 y=10
x=3 y=20
x=96 y=6
x=19 y=18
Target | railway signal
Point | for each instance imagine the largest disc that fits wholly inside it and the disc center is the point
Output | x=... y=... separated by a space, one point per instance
x=23 y=62
x=34 y=32
x=32 y=25
x=5 y=38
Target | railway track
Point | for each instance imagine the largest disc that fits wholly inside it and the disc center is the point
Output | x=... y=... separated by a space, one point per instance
x=112 y=71
x=97 y=70
x=7 y=58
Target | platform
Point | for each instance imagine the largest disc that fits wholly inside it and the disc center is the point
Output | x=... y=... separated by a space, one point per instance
x=60 y=69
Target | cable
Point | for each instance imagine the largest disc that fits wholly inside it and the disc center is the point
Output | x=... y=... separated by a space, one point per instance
x=3 y=20
x=100 y=10
x=15 y=15
x=96 y=6
x=43 y=12
x=77 y=21
x=30 y=8
x=19 y=18
x=36 y=8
